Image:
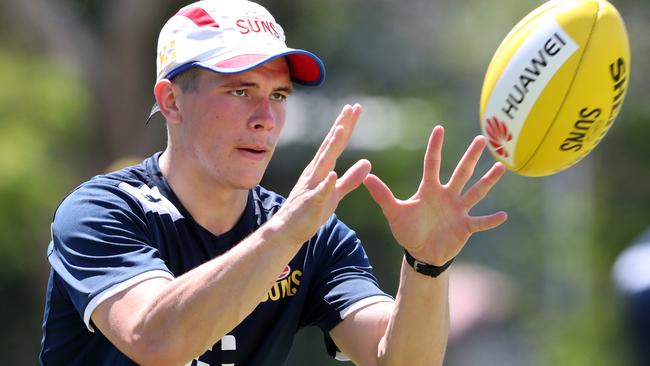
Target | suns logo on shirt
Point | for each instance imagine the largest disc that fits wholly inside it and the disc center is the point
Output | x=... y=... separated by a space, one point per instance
x=285 y=286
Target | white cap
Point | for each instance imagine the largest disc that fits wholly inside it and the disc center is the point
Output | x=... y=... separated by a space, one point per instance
x=229 y=36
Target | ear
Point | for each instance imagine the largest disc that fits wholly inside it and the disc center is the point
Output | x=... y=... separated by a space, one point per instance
x=166 y=97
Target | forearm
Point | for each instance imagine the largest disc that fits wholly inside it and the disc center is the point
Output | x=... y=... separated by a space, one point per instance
x=417 y=331
x=183 y=320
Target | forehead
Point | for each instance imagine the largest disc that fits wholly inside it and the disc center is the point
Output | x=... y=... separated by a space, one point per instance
x=275 y=72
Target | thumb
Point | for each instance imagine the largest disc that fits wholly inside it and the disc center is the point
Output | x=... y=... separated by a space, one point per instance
x=326 y=187
x=380 y=193
x=353 y=177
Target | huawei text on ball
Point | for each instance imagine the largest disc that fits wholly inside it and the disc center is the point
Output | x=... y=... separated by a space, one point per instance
x=552 y=47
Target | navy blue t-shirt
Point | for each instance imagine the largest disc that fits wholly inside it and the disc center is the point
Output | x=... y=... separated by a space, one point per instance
x=128 y=226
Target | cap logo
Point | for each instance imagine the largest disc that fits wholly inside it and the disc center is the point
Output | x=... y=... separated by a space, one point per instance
x=167 y=53
x=254 y=22
x=199 y=16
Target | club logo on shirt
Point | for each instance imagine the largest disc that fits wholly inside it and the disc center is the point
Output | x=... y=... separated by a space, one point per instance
x=285 y=272
x=285 y=286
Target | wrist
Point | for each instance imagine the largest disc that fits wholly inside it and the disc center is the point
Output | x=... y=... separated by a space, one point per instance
x=277 y=230
x=426 y=268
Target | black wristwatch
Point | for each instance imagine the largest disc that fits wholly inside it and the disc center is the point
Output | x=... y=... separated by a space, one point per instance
x=425 y=268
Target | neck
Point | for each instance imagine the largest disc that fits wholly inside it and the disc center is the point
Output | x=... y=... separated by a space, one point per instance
x=215 y=207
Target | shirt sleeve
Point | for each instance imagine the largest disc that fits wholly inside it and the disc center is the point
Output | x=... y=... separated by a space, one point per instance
x=344 y=283
x=101 y=245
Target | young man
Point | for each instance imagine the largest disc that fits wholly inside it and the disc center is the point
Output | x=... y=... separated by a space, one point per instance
x=184 y=259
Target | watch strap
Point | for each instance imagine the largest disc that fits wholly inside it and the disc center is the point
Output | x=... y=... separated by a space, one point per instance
x=425 y=268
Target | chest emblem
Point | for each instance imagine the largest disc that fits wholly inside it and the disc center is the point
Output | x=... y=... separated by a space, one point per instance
x=285 y=286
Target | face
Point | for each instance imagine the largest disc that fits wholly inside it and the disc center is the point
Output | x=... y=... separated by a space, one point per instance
x=229 y=126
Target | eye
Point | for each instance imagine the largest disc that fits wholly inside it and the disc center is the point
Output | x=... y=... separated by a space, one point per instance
x=279 y=97
x=239 y=92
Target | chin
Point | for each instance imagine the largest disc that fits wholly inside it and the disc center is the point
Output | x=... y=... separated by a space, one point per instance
x=249 y=178
x=248 y=186
x=248 y=183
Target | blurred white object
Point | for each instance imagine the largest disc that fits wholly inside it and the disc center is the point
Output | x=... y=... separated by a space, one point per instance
x=631 y=271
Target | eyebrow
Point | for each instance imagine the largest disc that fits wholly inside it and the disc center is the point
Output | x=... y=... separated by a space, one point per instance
x=249 y=84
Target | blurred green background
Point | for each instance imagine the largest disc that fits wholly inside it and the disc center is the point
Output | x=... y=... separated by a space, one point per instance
x=75 y=89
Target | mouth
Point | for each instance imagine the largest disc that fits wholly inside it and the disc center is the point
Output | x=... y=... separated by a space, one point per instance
x=254 y=148
x=253 y=152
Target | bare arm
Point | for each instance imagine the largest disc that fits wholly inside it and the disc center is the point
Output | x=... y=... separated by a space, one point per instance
x=170 y=322
x=433 y=225
x=364 y=335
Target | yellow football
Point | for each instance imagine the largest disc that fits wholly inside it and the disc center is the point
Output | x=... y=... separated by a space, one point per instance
x=555 y=86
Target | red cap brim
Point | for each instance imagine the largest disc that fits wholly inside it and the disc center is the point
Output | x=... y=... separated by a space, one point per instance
x=305 y=68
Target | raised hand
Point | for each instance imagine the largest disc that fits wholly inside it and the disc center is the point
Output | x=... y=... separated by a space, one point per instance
x=318 y=191
x=434 y=224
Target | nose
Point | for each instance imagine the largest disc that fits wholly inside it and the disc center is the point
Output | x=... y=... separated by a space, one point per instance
x=264 y=116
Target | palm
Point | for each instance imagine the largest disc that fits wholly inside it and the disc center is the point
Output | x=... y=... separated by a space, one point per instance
x=434 y=224
x=447 y=226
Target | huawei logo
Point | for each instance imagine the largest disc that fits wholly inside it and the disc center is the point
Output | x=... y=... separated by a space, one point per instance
x=498 y=135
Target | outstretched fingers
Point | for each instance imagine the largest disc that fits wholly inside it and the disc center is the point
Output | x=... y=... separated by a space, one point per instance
x=325 y=160
x=335 y=142
x=353 y=177
x=479 y=190
x=483 y=223
x=465 y=168
x=433 y=156
x=347 y=109
x=327 y=185
x=381 y=194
